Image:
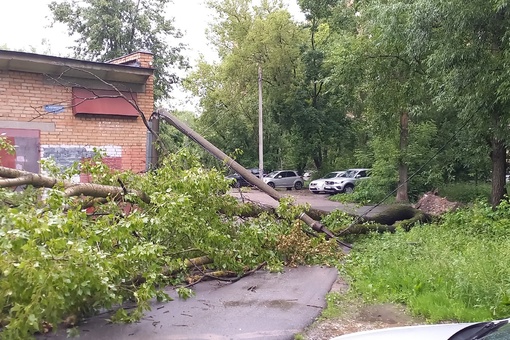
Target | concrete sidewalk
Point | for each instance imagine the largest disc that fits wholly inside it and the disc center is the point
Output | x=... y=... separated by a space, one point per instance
x=260 y=306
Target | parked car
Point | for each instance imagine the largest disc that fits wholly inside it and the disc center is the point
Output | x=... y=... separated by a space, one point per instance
x=317 y=185
x=499 y=329
x=284 y=179
x=347 y=183
x=239 y=181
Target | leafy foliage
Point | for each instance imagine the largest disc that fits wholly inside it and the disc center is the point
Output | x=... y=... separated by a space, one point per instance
x=62 y=261
x=6 y=145
x=466 y=192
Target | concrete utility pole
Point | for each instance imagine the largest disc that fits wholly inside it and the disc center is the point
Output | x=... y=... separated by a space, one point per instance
x=261 y=130
x=204 y=143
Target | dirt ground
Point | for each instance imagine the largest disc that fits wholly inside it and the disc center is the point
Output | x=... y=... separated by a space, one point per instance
x=357 y=316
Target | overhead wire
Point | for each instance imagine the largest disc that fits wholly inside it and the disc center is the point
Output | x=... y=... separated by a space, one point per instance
x=418 y=171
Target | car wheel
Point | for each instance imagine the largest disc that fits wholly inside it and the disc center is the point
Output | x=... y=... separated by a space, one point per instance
x=289 y=188
x=348 y=189
x=298 y=185
x=271 y=184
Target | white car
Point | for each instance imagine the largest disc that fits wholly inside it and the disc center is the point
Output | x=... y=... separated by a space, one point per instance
x=317 y=186
x=491 y=330
x=284 y=179
x=347 y=183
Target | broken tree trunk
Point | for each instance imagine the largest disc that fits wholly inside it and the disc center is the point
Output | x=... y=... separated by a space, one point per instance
x=403 y=216
x=13 y=178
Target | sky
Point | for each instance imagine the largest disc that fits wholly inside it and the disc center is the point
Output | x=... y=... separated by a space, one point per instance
x=24 y=24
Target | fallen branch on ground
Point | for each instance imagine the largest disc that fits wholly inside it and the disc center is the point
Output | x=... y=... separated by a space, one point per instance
x=13 y=178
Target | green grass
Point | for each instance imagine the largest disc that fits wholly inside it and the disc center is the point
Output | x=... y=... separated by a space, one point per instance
x=452 y=271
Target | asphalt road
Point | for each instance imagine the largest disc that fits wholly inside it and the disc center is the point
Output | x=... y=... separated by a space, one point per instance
x=316 y=201
x=259 y=306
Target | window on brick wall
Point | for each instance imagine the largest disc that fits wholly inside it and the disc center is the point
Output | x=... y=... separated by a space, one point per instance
x=103 y=102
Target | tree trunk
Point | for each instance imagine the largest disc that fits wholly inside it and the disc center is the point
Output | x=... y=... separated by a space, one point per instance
x=402 y=196
x=498 y=157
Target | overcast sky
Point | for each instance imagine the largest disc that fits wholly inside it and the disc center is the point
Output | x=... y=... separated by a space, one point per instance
x=25 y=23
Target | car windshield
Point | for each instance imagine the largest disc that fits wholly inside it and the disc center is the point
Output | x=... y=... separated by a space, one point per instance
x=499 y=333
x=334 y=174
x=484 y=331
x=273 y=174
x=351 y=173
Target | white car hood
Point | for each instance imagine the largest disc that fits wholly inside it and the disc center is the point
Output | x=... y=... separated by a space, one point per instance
x=319 y=181
x=423 y=332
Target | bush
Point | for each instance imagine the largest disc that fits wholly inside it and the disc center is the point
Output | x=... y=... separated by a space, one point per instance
x=465 y=192
x=367 y=192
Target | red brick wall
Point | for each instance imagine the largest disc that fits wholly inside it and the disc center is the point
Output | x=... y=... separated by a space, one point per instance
x=23 y=96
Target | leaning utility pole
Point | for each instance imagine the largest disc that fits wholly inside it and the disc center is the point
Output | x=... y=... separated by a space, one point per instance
x=261 y=130
x=204 y=143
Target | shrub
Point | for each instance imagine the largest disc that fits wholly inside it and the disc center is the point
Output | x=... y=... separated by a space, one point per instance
x=465 y=192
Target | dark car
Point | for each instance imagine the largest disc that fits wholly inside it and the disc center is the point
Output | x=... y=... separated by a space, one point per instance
x=239 y=181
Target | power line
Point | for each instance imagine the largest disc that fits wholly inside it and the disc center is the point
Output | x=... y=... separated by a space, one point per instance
x=414 y=174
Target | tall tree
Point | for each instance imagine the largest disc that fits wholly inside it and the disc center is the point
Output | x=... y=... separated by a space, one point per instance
x=322 y=121
x=247 y=37
x=106 y=29
x=470 y=52
x=391 y=82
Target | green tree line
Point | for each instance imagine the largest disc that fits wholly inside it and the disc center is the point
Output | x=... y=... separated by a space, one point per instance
x=399 y=86
x=404 y=87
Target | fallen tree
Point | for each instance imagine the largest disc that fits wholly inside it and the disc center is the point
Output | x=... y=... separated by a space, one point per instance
x=15 y=178
x=60 y=261
x=393 y=217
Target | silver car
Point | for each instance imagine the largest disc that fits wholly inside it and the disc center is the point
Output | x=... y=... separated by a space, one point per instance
x=317 y=185
x=494 y=330
x=284 y=179
x=347 y=183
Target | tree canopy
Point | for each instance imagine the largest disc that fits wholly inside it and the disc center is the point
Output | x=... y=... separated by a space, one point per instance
x=107 y=29
x=381 y=84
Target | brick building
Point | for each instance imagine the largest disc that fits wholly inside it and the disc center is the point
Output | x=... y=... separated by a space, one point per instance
x=65 y=108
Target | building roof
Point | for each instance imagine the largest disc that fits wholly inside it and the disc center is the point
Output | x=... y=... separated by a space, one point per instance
x=68 y=68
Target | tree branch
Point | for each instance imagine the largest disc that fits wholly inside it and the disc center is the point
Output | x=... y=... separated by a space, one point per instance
x=13 y=177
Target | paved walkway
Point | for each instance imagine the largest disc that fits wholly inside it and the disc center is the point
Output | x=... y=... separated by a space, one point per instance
x=260 y=306
x=319 y=202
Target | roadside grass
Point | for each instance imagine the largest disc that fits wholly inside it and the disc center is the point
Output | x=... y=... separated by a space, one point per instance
x=454 y=270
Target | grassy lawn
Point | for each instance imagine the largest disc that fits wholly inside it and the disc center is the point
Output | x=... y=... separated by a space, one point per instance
x=451 y=270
